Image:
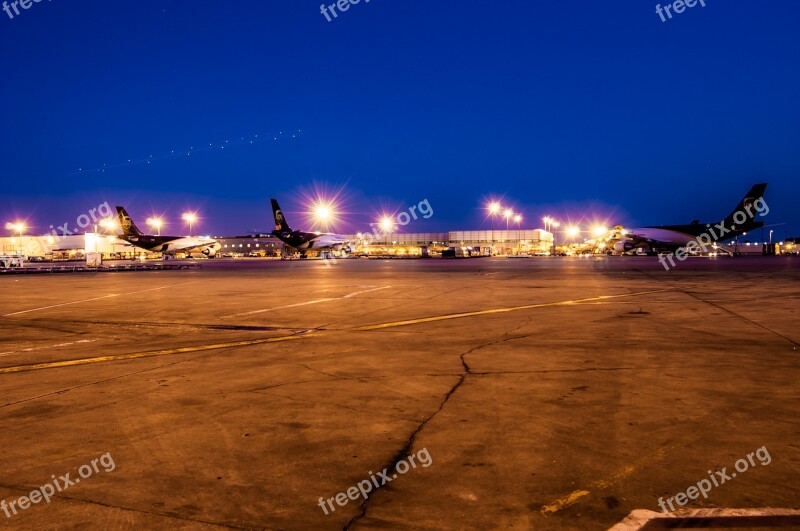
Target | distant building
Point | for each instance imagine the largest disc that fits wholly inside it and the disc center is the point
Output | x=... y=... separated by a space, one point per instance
x=480 y=242
x=421 y=243
x=261 y=244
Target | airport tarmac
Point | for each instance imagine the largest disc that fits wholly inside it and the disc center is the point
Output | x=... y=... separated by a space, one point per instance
x=549 y=393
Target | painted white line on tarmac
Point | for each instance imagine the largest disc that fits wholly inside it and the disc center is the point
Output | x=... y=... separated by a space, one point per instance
x=708 y=518
x=97 y=298
x=9 y=352
x=314 y=301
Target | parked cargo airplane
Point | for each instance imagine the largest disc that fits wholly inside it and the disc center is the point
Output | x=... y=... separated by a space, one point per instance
x=167 y=245
x=672 y=237
x=303 y=241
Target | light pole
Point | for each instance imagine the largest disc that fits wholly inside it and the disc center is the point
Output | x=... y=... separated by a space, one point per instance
x=155 y=222
x=518 y=219
x=549 y=225
x=547 y=220
x=507 y=213
x=599 y=232
x=771 y=250
x=573 y=232
x=387 y=226
x=110 y=224
x=555 y=224
x=494 y=208
x=190 y=218
x=18 y=227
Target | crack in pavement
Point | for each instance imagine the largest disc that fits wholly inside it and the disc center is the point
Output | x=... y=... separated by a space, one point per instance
x=130 y=509
x=726 y=310
x=403 y=453
x=405 y=450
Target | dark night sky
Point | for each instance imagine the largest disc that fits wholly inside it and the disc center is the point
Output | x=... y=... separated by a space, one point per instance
x=574 y=109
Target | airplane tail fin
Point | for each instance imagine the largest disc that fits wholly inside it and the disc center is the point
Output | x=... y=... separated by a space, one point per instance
x=280 y=220
x=752 y=205
x=129 y=228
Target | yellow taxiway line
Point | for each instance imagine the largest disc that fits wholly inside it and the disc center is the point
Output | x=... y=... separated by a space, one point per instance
x=600 y=484
x=148 y=354
x=245 y=343
x=500 y=310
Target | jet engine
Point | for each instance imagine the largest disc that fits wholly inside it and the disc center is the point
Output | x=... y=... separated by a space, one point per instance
x=211 y=250
x=623 y=246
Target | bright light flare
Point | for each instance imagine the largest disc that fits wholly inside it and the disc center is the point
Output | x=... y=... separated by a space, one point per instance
x=323 y=207
x=108 y=223
x=494 y=207
x=518 y=218
x=599 y=231
x=322 y=213
x=189 y=217
x=387 y=224
x=156 y=223
x=17 y=226
x=508 y=213
x=573 y=231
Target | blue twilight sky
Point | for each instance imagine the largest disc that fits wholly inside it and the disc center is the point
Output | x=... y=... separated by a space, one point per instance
x=582 y=110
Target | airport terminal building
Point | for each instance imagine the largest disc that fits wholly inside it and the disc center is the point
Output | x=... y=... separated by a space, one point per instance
x=410 y=245
x=463 y=243
x=474 y=242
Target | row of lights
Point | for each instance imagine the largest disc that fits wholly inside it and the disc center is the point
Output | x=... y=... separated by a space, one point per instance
x=550 y=223
x=111 y=223
x=324 y=213
x=573 y=231
x=508 y=214
x=16 y=226
x=189 y=217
